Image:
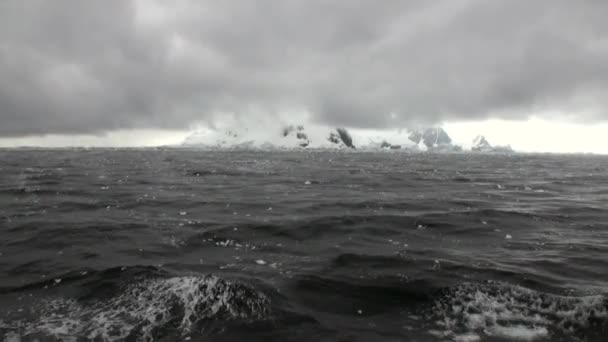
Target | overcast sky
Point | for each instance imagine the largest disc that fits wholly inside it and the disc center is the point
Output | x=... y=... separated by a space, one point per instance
x=79 y=67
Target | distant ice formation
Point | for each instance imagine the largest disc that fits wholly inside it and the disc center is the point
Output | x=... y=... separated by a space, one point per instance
x=287 y=137
x=481 y=144
x=434 y=139
x=431 y=137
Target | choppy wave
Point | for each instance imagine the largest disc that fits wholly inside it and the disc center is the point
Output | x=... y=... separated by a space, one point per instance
x=471 y=311
x=144 y=311
x=322 y=246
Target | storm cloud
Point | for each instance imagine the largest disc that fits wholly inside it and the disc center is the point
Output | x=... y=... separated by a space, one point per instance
x=93 y=66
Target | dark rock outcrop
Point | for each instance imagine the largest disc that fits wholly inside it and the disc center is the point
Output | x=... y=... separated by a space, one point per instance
x=431 y=137
x=300 y=135
x=415 y=136
x=334 y=138
x=345 y=137
x=390 y=146
x=481 y=144
x=341 y=135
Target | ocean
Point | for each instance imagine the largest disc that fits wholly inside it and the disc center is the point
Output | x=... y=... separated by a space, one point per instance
x=189 y=245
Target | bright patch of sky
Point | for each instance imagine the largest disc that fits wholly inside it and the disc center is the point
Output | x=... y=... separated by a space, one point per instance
x=534 y=135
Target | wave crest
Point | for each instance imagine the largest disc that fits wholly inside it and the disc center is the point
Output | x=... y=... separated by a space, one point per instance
x=145 y=311
x=514 y=312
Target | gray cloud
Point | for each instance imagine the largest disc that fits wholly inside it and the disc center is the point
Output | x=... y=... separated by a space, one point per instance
x=73 y=66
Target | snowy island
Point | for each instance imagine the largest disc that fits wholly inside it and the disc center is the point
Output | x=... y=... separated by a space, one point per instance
x=431 y=139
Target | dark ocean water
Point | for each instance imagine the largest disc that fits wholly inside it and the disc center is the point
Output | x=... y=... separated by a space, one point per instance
x=112 y=245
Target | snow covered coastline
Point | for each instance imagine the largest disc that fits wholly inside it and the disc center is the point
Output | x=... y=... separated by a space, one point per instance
x=300 y=137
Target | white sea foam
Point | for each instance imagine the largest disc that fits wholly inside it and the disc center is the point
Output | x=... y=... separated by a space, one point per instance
x=468 y=337
x=515 y=313
x=143 y=309
x=519 y=332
